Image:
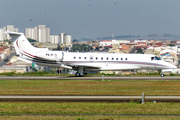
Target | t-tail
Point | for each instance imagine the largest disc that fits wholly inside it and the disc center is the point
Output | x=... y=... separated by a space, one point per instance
x=21 y=44
x=29 y=53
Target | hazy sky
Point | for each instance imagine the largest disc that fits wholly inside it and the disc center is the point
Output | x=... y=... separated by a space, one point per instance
x=93 y=18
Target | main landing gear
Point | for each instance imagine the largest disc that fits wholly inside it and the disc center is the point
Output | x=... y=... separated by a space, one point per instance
x=79 y=75
x=80 y=72
x=162 y=75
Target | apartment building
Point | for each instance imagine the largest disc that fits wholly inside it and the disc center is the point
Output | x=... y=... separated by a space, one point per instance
x=65 y=39
x=40 y=33
x=54 y=39
x=32 y=33
x=7 y=28
x=68 y=39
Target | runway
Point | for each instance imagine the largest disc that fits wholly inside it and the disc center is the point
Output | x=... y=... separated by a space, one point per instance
x=89 y=98
x=89 y=78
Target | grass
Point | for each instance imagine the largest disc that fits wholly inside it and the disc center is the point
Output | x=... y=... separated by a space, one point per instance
x=41 y=73
x=50 y=110
x=85 y=87
x=88 y=108
x=96 y=117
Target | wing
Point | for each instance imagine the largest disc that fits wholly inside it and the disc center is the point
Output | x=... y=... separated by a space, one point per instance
x=102 y=66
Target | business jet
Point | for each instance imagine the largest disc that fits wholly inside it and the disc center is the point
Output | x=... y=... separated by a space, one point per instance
x=84 y=62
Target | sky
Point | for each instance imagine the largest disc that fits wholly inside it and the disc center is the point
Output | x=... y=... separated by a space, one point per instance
x=93 y=18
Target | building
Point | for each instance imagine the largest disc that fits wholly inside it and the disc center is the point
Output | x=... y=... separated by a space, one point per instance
x=113 y=42
x=32 y=33
x=68 y=39
x=43 y=34
x=62 y=37
x=105 y=43
x=54 y=39
x=4 y=36
x=65 y=39
x=40 y=33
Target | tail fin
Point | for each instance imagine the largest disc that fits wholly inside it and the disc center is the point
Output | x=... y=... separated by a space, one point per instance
x=14 y=35
x=21 y=44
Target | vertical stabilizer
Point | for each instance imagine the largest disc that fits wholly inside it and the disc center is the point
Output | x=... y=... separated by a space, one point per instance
x=21 y=44
x=14 y=35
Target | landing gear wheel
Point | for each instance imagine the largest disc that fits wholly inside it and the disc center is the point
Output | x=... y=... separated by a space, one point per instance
x=82 y=75
x=162 y=75
x=77 y=74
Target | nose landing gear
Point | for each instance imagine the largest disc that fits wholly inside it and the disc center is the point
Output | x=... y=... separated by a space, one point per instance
x=162 y=75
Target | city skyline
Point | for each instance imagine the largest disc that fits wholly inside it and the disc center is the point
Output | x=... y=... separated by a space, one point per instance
x=48 y=37
x=39 y=33
x=92 y=19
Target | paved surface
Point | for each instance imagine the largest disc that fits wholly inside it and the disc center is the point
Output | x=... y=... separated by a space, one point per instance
x=88 y=78
x=89 y=98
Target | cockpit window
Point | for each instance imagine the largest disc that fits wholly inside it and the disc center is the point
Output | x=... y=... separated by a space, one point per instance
x=155 y=58
x=152 y=58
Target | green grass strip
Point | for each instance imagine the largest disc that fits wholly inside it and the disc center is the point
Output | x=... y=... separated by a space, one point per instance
x=85 y=87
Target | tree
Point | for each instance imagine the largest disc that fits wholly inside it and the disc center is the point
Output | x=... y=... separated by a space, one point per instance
x=75 y=41
x=139 y=50
x=171 y=44
x=31 y=40
x=9 y=41
x=58 y=47
x=81 y=48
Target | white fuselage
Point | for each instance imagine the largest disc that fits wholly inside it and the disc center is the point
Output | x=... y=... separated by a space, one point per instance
x=84 y=61
x=103 y=61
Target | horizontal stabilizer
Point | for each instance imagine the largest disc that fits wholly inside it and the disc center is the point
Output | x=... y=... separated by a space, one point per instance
x=13 y=33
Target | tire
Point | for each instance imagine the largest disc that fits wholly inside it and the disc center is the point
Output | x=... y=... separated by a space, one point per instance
x=82 y=75
x=77 y=74
x=162 y=75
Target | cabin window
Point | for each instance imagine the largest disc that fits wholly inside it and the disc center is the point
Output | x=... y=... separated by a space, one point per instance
x=107 y=58
x=121 y=58
x=116 y=58
x=74 y=57
x=101 y=58
x=96 y=58
x=79 y=57
x=126 y=59
x=51 y=54
x=112 y=58
x=91 y=58
x=84 y=57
